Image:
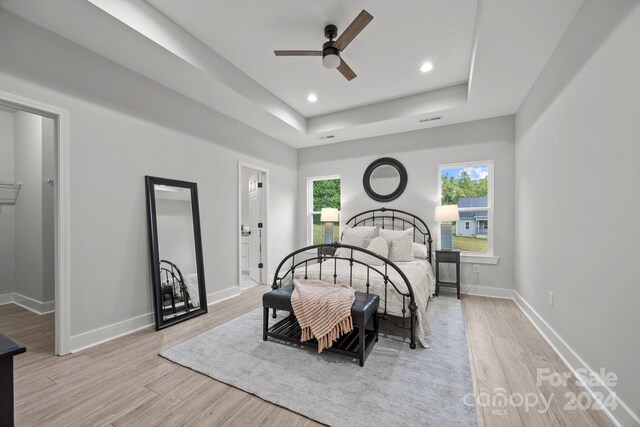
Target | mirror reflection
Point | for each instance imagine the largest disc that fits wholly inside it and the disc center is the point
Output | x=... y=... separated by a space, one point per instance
x=179 y=290
x=384 y=179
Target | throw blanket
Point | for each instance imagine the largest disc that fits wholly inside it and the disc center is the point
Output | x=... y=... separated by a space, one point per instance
x=323 y=310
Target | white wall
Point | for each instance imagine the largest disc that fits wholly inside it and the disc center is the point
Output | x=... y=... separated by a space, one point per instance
x=7 y=212
x=48 y=209
x=245 y=174
x=34 y=211
x=123 y=127
x=28 y=221
x=577 y=154
x=421 y=152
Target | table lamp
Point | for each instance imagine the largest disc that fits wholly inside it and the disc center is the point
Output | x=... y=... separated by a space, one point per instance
x=329 y=216
x=444 y=215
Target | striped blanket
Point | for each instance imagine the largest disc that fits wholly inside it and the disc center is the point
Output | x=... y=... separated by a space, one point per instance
x=323 y=310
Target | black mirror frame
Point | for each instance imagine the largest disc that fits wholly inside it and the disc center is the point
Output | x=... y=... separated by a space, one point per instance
x=150 y=182
x=366 y=179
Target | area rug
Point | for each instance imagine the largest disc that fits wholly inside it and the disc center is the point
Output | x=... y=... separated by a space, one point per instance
x=396 y=387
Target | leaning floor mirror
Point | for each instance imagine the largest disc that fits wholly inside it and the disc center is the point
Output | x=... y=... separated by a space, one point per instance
x=175 y=244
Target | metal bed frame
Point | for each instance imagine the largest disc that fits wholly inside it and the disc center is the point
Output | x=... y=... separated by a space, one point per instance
x=171 y=276
x=384 y=218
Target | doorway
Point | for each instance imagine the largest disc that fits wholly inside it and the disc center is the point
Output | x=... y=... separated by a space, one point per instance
x=252 y=230
x=53 y=181
x=27 y=237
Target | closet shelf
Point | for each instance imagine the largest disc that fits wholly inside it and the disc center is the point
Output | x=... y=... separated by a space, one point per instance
x=9 y=192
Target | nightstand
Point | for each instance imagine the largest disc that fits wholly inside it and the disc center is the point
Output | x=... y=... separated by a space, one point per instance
x=448 y=257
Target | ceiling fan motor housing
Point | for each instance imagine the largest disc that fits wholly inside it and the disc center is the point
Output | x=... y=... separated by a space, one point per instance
x=328 y=49
x=330 y=55
x=331 y=32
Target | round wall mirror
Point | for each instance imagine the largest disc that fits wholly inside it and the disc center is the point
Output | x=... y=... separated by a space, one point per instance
x=385 y=179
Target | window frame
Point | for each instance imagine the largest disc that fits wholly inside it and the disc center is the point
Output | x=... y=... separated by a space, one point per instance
x=490 y=220
x=311 y=212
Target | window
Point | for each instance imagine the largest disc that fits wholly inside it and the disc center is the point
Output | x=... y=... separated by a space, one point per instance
x=469 y=185
x=323 y=192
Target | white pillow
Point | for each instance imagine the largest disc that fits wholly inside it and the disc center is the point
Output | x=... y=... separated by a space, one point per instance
x=355 y=236
x=369 y=231
x=400 y=244
x=419 y=251
x=353 y=239
x=378 y=246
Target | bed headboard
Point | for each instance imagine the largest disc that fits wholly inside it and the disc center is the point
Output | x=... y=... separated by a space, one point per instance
x=394 y=219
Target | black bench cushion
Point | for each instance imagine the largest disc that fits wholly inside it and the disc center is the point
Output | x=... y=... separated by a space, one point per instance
x=363 y=308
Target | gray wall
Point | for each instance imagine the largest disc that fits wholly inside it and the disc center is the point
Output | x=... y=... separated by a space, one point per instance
x=422 y=152
x=123 y=127
x=48 y=209
x=28 y=221
x=577 y=156
x=7 y=212
x=34 y=210
x=245 y=174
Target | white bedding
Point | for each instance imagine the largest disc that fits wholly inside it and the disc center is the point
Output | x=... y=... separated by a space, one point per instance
x=418 y=272
x=191 y=282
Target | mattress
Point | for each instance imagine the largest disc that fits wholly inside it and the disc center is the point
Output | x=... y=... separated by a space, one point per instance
x=418 y=272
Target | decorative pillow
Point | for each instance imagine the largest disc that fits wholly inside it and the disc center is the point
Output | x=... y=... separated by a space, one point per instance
x=378 y=246
x=356 y=236
x=419 y=251
x=400 y=244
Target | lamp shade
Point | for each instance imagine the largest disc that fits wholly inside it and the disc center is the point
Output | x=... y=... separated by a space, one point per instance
x=446 y=213
x=329 y=215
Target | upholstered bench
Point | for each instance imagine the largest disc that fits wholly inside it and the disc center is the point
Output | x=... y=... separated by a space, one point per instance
x=358 y=343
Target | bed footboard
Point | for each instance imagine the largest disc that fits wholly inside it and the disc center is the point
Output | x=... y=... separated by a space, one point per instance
x=307 y=256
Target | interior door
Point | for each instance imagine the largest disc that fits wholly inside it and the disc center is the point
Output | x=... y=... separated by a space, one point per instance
x=255 y=220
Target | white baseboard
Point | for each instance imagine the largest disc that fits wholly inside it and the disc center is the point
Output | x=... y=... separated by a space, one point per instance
x=33 y=305
x=107 y=333
x=622 y=415
x=116 y=330
x=6 y=298
x=487 y=291
x=219 y=296
x=481 y=291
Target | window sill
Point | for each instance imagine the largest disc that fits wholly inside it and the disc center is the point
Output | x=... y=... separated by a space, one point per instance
x=479 y=259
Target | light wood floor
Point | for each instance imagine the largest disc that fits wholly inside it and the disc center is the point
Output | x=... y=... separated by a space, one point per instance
x=124 y=382
x=505 y=352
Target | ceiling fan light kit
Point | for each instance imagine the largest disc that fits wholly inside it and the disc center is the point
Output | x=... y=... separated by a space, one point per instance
x=331 y=50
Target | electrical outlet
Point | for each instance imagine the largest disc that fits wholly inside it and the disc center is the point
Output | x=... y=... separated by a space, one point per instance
x=476 y=268
x=550 y=299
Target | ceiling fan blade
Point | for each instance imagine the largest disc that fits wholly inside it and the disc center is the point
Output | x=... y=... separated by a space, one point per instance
x=346 y=71
x=350 y=33
x=298 y=52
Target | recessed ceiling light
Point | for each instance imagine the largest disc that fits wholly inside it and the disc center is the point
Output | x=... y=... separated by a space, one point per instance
x=312 y=97
x=426 y=67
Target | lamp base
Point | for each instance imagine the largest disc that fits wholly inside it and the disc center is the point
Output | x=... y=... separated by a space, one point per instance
x=328 y=232
x=446 y=236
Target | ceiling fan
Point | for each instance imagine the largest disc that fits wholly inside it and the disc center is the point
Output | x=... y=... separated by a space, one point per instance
x=331 y=50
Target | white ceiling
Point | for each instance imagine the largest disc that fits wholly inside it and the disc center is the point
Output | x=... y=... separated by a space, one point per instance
x=486 y=57
x=386 y=56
